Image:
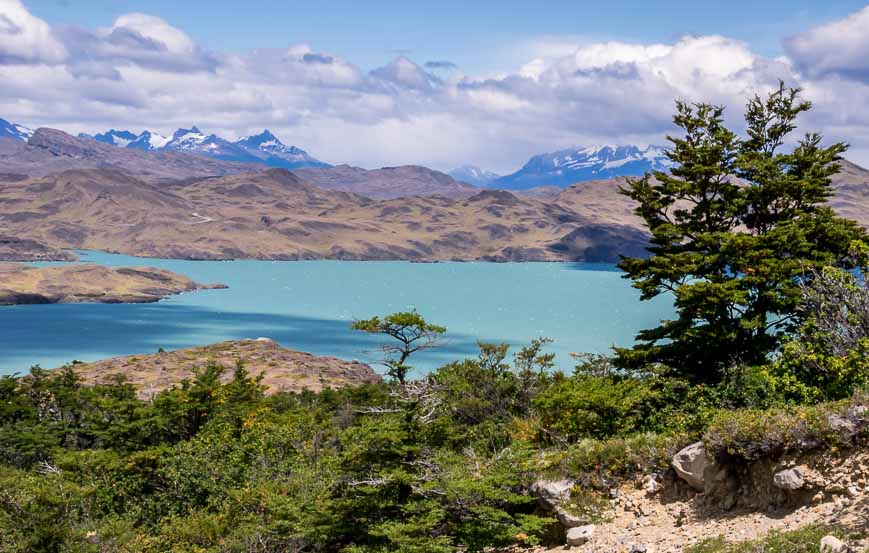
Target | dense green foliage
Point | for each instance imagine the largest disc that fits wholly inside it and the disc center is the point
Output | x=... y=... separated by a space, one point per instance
x=736 y=227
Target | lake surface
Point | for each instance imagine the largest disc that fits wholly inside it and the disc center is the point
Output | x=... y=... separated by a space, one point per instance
x=309 y=306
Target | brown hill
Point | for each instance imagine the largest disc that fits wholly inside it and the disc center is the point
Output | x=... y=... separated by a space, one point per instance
x=281 y=369
x=51 y=151
x=388 y=182
x=852 y=192
x=86 y=282
x=275 y=215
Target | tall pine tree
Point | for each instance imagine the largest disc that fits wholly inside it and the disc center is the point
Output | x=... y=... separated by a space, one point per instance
x=735 y=226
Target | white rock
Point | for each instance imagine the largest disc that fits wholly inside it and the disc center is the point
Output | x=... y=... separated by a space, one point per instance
x=580 y=534
x=568 y=520
x=790 y=479
x=652 y=485
x=690 y=463
x=552 y=492
x=832 y=544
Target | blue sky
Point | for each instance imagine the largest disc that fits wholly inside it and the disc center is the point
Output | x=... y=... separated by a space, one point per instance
x=350 y=82
x=479 y=36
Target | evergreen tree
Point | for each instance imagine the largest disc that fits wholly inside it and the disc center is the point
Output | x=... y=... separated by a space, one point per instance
x=736 y=227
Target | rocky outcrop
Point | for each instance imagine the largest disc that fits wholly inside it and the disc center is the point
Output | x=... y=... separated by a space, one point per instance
x=281 y=369
x=90 y=283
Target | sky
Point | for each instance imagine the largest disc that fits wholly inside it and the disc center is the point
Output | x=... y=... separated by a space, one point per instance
x=436 y=83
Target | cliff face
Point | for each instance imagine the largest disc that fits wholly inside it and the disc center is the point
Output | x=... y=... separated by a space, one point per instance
x=281 y=369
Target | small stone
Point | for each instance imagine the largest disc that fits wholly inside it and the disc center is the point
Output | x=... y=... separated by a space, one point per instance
x=790 y=479
x=729 y=502
x=634 y=547
x=832 y=544
x=853 y=491
x=580 y=535
x=652 y=485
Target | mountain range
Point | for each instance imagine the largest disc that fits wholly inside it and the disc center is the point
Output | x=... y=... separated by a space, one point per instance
x=263 y=148
x=566 y=167
x=61 y=192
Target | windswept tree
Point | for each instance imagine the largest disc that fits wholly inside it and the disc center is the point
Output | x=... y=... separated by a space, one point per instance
x=410 y=333
x=736 y=227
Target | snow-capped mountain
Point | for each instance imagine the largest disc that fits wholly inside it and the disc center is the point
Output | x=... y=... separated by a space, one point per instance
x=567 y=167
x=266 y=147
x=113 y=137
x=148 y=140
x=472 y=174
x=261 y=148
x=12 y=130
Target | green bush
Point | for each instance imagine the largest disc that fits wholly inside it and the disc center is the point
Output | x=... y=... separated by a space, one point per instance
x=754 y=433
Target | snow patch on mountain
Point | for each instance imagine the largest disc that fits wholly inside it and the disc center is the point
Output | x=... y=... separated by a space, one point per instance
x=14 y=130
x=472 y=174
x=263 y=148
x=566 y=167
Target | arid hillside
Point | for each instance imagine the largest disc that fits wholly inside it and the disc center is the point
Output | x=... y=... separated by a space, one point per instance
x=274 y=214
x=60 y=192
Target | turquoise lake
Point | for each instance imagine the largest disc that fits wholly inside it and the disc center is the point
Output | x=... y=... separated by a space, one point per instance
x=309 y=305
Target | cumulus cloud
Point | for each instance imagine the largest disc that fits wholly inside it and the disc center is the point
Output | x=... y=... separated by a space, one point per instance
x=141 y=72
x=26 y=39
x=838 y=48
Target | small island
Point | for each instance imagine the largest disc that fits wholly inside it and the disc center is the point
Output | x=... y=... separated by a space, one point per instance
x=281 y=369
x=87 y=282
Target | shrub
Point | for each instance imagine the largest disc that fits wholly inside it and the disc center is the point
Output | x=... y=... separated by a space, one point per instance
x=803 y=540
x=752 y=433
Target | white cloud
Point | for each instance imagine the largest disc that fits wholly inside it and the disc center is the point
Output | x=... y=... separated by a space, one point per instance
x=26 y=39
x=144 y=73
x=838 y=48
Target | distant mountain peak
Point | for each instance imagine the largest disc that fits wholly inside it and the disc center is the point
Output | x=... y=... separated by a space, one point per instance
x=565 y=167
x=13 y=130
x=472 y=174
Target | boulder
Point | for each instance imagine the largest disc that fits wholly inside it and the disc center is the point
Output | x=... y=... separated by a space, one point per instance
x=789 y=479
x=690 y=464
x=567 y=519
x=551 y=493
x=832 y=544
x=580 y=535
